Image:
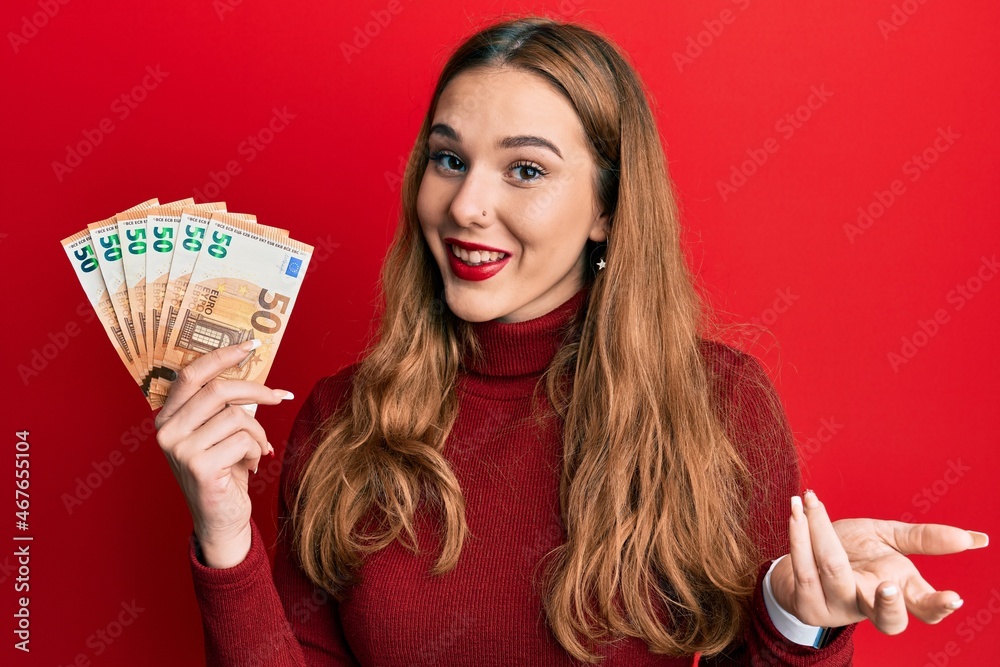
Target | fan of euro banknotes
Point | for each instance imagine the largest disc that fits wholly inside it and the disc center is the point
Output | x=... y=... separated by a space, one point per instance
x=173 y=281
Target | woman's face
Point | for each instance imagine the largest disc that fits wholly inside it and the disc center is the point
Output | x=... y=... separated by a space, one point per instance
x=510 y=169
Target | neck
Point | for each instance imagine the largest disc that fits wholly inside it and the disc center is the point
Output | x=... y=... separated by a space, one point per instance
x=522 y=349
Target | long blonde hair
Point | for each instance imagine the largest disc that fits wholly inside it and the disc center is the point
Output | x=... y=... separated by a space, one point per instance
x=653 y=493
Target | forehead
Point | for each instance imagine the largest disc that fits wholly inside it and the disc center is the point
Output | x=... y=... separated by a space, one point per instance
x=482 y=104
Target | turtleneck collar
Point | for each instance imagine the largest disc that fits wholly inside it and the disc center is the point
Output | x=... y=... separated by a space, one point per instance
x=520 y=349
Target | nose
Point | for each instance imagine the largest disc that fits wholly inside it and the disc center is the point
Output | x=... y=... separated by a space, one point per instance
x=472 y=198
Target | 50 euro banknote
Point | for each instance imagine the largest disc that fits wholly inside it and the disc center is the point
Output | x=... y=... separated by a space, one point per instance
x=244 y=285
x=103 y=281
x=190 y=239
x=211 y=245
x=131 y=232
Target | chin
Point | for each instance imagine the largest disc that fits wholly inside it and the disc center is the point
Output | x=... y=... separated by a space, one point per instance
x=468 y=310
x=472 y=314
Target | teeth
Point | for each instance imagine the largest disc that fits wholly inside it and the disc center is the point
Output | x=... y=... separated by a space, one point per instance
x=476 y=256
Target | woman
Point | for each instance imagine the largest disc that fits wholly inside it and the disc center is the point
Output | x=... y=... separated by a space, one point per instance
x=540 y=460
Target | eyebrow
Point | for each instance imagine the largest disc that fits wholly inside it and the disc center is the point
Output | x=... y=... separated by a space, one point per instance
x=518 y=141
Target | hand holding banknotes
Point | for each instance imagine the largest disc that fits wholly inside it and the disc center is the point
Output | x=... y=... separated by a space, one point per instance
x=196 y=301
x=212 y=444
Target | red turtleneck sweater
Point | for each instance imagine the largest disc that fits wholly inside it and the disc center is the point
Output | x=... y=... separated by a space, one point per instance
x=486 y=611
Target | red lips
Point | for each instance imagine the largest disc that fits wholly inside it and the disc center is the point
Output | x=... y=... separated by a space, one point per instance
x=464 y=271
x=474 y=246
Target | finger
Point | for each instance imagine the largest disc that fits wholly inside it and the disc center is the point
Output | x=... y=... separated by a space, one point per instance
x=196 y=374
x=932 y=538
x=926 y=603
x=809 y=598
x=214 y=397
x=890 y=609
x=834 y=566
x=226 y=455
x=228 y=421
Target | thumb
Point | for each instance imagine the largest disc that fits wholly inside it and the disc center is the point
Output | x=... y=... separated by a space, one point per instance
x=932 y=538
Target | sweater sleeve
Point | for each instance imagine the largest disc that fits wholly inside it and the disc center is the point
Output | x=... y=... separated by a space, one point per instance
x=253 y=614
x=757 y=424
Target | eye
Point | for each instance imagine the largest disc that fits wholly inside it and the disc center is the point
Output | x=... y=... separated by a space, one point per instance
x=442 y=158
x=448 y=161
x=530 y=170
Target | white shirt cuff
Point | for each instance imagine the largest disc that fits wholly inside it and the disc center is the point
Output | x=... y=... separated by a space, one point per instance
x=792 y=628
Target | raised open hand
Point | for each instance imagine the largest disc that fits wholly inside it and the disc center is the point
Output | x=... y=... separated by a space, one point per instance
x=845 y=571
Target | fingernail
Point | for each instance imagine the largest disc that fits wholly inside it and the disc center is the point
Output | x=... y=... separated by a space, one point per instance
x=255 y=468
x=955 y=604
x=169 y=374
x=979 y=540
x=270 y=450
x=796 y=507
x=809 y=498
x=250 y=345
x=282 y=394
x=889 y=591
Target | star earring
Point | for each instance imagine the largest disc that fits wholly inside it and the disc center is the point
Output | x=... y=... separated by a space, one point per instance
x=600 y=263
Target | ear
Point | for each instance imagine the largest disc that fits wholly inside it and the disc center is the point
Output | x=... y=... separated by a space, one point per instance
x=599 y=230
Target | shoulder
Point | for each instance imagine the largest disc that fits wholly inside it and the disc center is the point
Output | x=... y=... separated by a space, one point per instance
x=745 y=398
x=721 y=358
x=734 y=375
x=750 y=409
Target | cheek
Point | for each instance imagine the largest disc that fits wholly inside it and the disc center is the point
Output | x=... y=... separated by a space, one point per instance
x=422 y=201
x=428 y=213
x=551 y=229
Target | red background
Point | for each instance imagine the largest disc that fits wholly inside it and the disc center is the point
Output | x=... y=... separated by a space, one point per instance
x=891 y=436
